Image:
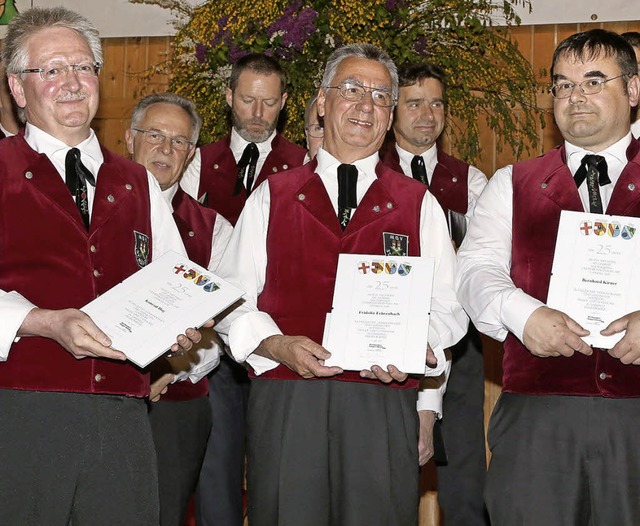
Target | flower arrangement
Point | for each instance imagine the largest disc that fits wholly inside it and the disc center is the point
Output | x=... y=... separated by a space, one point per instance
x=488 y=78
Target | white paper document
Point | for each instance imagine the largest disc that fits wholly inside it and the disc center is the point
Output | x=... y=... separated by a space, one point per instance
x=145 y=313
x=380 y=313
x=595 y=271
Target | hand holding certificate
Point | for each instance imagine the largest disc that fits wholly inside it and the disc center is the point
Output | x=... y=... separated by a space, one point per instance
x=593 y=277
x=380 y=312
x=144 y=314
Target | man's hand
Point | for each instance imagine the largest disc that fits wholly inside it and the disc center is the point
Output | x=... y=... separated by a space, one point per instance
x=627 y=350
x=71 y=328
x=425 y=438
x=392 y=374
x=549 y=332
x=185 y=341
x=160 y=386
x=300 y=354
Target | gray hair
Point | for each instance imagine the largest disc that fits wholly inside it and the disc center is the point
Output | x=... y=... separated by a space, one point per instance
x=31 y=21
x=366 y=51
x=187 y=105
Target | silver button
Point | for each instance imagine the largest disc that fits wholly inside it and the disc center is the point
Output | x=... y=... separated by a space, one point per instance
x=631 y=187
x=98 y=378
x=376 y=208
x=389 y=206
x=96 y=273
x=454 y=179
x=93 y=249
x=301 y=197
x=191 y=233
x=285 y=166
x=110 y=198
x=128 y=186
x=28 y=175
x=215 y=166
x=603 y=376
x=275 y=169
x=543 y=185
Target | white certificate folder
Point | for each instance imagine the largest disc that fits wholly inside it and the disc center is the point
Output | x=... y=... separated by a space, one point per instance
x=380 y=314
x=145 y=313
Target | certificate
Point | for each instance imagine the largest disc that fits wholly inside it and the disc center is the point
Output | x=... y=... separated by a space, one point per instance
x=595 y=277
x=145 y=313
x=380 y=313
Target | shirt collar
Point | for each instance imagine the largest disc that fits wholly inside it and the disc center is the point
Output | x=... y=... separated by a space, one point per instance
x=430 y=158
x=169 y=194
x=238 y=144
x=328 y=164
x=615 y=155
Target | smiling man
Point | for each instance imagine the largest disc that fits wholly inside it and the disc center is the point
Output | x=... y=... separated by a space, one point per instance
x=419 y=120
x=76 y=220
x=564 y=433
x=328 y=446
x=164 y=131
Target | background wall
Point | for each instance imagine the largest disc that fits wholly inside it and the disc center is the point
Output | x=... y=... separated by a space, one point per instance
x=122 y=83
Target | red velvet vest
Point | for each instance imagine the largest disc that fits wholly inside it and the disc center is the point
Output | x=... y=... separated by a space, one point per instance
x=47 y=255
x=449 y=182
x=304 y=240
x=195 y=224
x=542 y=188
x=218 y=173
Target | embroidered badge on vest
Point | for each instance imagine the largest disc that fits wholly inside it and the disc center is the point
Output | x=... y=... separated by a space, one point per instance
x=141 y=248
x=395 y=244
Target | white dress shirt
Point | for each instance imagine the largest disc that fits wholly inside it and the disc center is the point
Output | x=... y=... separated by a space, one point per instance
x=165 y=236
x=190 y=181
x=635 y=128
x=245 y=261
x=484 y=284
x=208 y=350
x=475 y=183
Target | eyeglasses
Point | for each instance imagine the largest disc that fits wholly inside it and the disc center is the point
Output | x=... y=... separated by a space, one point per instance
x=179 y=143
x=57 y=71
x=356 y=92
x=563 y=90
x=315 y=130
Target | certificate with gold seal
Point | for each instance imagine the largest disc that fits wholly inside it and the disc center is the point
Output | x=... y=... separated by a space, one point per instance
x=380 y=313
x=595 y=278
x=145 y=313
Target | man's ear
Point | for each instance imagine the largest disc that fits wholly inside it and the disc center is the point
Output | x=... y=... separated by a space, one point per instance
x=229 y=97
x=633 y=90
x=285 y=96
x=320 y=101
x=128 y=137
x=17 y=90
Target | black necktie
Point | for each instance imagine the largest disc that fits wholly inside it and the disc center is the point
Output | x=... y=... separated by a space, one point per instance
x=593 y=168
x=77 y=175
x=249 y=158
x=418 y=169
x=347 y=197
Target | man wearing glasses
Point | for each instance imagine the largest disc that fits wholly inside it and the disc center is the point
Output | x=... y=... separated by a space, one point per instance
x=328 y=446
x=76 y=445
x=564 y=433
x=418 y=122
x=164 y=131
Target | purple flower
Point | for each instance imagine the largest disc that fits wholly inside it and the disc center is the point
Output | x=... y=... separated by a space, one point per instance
x=201 y=52
x=235 y=53
x=420 y=46
x=295 y=25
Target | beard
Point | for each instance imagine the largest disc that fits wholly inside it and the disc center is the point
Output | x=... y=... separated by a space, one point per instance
x=253 y=135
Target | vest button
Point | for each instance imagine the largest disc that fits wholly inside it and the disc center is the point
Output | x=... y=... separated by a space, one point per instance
x=128 y=186
x=191 y=233
x=376 y=208
x=543 y=185
x=631 y=187
x=301 y=197
x=93 y=249
x=275 y=169
x=215 y=166
x=28 y=175
x=96 y=272
x=454 y=179
x=603 y=376
x=110 y=198
x=285 y=166
x=98 y=378
x=389 y=206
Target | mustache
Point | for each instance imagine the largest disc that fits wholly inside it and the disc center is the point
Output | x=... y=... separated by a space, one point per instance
x=71 y=96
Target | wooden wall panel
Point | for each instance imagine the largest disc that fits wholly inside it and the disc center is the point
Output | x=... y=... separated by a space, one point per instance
x=127 y=76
